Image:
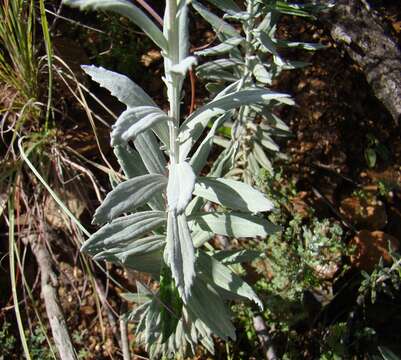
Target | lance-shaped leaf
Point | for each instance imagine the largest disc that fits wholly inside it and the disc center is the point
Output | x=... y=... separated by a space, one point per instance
x=135 y=121
x=293 y=9
x=199 y=159
x=120 y=86
x=259 y=155
x=183 y=30
x=222 y=48
x=218 y=64
x=206 y=304
x=127 y=9
x=219 y=25
x=228 y=257
x=172 y=311
x=232 y=194
x=270 y=46
x=223 y=277
x=194 y=125
x=137 y=247
x=142 y=255
x=227 y=6
x=300 y=45
x=181 y=182
x=233 y=224
x=126 y=91
x=179 y=252
x=130 y=161
x=212 y=70
x=149 y=150
x=132 y=165
x=266 y=141
x=122 y=230
x=129 y=195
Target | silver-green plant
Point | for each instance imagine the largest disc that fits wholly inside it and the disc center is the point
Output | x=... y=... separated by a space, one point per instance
x=249 y=58
x=167 y=230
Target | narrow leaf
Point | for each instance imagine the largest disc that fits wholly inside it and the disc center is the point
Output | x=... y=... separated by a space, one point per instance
x=149 y=150
x=129 y=195
x=227 y=6
x=223 y=277
x=194 y=125
x=260 y=156
x=232 y=194
x=123 y=230
x=135 y=121
x=218 y=24
x=127 y=9
x=206 y=304
x=180 y=253
x=120 y=86
x=233 y=224
x=130 y=161
x=222 y=48
x=229 y=257
x=181 y=182
x=199 y=159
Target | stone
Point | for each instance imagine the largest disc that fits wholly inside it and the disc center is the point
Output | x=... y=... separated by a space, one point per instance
x=369 y=247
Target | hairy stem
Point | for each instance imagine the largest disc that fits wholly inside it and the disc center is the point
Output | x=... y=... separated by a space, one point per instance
x=172 y=81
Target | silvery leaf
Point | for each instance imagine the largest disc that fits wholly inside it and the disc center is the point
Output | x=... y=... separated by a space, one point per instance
x=181 y=182
x=229 y=257
x=199 y=159
x=222 y=48
x=130 y=161
x=137 y=247
x=120 y=86
x=219 y=64
x=179 y=252
x=206 y=304
x=148 y=263
x=127 y=9
x=223 y=277
x=128 y=196
x=260 y=156
x=183 y=30
x=135 y=121
x=227 y=6
x=199 y=236
x=233 y=224
x=149 y=150
x=218 y=24
x=194 y=125
x=132 y=165
x=261 y=74
x=266 y=141
x=232 y=194
x=301 y=45
x=122 y=230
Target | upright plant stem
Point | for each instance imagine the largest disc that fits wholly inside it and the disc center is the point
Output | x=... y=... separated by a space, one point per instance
x=244 y=110
x=172 y=81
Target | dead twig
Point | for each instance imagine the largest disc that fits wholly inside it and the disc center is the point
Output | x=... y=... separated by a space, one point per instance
x=264 y=338
x=54 y=311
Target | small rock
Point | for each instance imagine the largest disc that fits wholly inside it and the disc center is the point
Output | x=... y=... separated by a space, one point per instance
x=364 y=213
x=370 y=246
